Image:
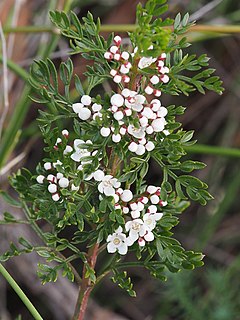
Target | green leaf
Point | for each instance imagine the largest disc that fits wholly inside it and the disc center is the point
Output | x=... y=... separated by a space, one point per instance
x=10 y=200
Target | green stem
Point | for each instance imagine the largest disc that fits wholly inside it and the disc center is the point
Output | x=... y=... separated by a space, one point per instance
x=213 y=150
x=221 y=29
x=20 y=293
x=16 y=69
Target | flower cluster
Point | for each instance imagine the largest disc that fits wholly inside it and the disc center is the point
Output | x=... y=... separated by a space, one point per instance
x=116 y=54
x=55 y=182
x=137 y=118
x=85 y=109
x=144 y=217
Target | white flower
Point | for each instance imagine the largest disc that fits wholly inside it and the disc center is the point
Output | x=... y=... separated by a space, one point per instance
x=126 y=195
x=135 y=101
x=108 y=185
x=135 y=228
x=117 y=242
x=151 y=219
x=105 y=132
x=86 y=100
x=117 y=100
x=80 y=152
x=40 y=178
x=138 y=133
x=146 y=62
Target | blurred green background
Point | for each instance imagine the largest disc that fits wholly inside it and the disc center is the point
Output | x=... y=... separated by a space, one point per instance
x=211 y=292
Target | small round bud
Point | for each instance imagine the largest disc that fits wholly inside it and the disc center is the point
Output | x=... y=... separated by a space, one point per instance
x=152 y=209
x=150 y=146
x=117 y=40
x=125 y=55
x=134 y=206
x=140 y=206
x=126 y=92
x=164 y=78
x=40 y=178
x=51 y=178
x=84 y=114
x=59 y=175
x=126 y=79
x=52 y=188
x=59 y=140
x=108 y=55
x=117 y=79
x=77 y=107
x=149 y=130
x=162 y=112
x=135 y=214
x=122 y=131
x=117 y=56
x=65 y=133
x=141 y=242
x=124 y=69
x=74 y=188
x=55 y=197
x=154 y=199
x=125 y=210
x=113 y=72
x=126 y=195
x=147 y=112
x=157 y=93
x=96 y=107
x=133 y=147
x=86 y=100
x=47 y=166
x=118 y=115
x=149 y=90
x=155 y=104
x=154 y=79
x=158 y=124
x=152 y=189
x=105 y=132
x=63 y=182
x=113 y=49
x=116 y=138
x=140 y=150
x=117 y=100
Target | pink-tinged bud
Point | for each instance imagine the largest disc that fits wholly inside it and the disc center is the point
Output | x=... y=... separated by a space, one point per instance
x=55 y=197
x=163 y=56
x=113 y=72
x=143 y=141
x=133 y=206
x=122 y=131
x=117 y=56
x=117 y=79
x=119 y=191
x=125 y=55
x=51 y=178
x=108 y=55
x=141 y=242
x=157 y=93
x=151 y=189
x=65 y=133
x=125 y=210
x=158 y=192
x=155 y=105
x=128 y=112
x=117 y=40
x=117 y=205
x=149 y=90
x=126 y=195
x=162 y=203
x=126 y=79
x=128 y=65
x=113 y=49
x=117 y=100
x=160 y=63
x=164 y=78
x=55 y=148
x=124 y=69
x=154 y=80
x=144 y=200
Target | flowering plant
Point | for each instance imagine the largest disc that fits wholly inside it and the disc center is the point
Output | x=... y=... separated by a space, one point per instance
x=98 y=151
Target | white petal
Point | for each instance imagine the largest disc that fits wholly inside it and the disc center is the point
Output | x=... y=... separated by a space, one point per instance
x=157 y=216
x=158 y=124
x=162 y=112
x=77 y=107
x=98 y=175
x=40 y=178
x=76 y=157
x=84 y=114
x=135 y=214
x=109 y=191
x=140 y=150
x=149 y=236
x=126 y=195
x=123 y=248
x=100 y=187
x=111 y=248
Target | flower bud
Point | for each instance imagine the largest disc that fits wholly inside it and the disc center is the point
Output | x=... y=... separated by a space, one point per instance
x=150 y=146
x=86 y=100
x=52 y=188
x=118 y=115
x=77 y=107
x=133 y=147
x=117 y=79
x=140 y=150
x=105 y=132
x=55 y=197
x=47 y=166
x=125 y=55
x=63 y=182
x=84 y=114
x=154 y=79
x=126 y=195
x=40 y=178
